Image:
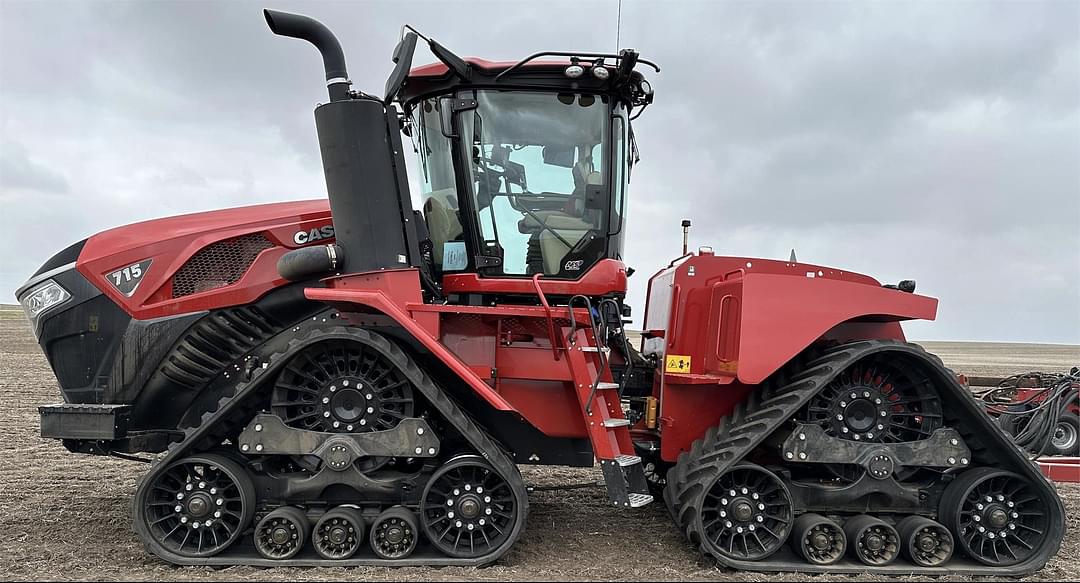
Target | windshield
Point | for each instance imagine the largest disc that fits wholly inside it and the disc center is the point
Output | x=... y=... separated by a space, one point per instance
x=538 y=173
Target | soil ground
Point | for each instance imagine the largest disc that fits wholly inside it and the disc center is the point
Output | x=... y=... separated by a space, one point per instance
x=68 y=517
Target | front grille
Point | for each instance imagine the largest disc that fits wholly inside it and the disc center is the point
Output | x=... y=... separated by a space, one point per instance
x=218 y=265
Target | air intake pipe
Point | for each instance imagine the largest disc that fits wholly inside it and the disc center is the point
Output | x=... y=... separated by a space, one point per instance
x=363 y=160
x=316 y=33
x=309 y=262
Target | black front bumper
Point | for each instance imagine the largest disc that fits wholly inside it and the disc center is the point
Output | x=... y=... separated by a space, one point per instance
x=98 y=429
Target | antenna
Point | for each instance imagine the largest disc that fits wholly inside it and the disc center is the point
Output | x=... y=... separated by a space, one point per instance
x=618 y=28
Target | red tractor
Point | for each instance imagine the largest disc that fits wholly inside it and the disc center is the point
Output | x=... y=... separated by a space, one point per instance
x=359 y=387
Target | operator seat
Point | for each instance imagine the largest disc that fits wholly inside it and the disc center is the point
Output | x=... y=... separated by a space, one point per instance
x=568 y=222
x=443 y=220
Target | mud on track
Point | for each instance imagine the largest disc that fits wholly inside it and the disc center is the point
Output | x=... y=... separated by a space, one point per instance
x=68 y=517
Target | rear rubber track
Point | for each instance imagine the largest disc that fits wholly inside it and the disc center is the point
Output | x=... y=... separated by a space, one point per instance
x=782 y=396
x=232 y=411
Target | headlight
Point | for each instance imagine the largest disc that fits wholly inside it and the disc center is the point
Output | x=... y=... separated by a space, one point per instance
x=46 y=295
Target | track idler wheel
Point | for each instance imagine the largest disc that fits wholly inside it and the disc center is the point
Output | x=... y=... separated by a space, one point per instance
x=394 y=533
x=282 y=533
x=339 y=533
x=925 y=542
x=197 y=506
x=998 y=518
x=468 y=509
x=872 y=540
x=818 y=540
x=746 y=514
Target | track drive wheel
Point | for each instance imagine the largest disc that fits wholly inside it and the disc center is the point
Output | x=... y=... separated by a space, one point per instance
x=468 y=510
x=339 y=533
x=282 y=533
x=746 y=513
x=197 y=506
x=997 y=517
x=394 y=533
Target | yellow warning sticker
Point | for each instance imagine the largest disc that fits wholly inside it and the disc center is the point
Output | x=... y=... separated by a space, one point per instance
x=677 y=363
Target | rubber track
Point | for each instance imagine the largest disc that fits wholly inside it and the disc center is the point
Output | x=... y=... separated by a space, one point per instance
x=211 y=430
x=780 y=398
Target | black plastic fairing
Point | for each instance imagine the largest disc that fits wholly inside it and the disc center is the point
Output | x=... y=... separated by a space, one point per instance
x=66 y=257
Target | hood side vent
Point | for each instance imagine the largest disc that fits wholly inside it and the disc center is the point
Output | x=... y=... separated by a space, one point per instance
x=219 y=264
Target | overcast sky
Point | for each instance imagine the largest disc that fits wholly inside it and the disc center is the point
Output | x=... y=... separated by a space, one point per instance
x=933 y=141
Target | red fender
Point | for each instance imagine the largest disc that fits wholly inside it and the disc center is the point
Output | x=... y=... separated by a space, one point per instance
x=782 y=315
x=728 y=318
x=391 y=293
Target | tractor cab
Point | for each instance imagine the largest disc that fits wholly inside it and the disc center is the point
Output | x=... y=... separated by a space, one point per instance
x=523 y=167
x=523 y=170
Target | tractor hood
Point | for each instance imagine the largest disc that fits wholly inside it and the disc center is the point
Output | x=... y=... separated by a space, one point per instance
x=200 y=261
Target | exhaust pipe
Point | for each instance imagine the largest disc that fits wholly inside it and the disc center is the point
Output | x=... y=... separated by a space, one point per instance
x=313 y=31
x=360 y=144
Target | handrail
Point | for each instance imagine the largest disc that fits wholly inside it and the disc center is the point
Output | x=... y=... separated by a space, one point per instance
x=547 y=310
x=533 y=56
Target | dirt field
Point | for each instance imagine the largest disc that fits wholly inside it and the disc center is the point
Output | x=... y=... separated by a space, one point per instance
x=67 y=517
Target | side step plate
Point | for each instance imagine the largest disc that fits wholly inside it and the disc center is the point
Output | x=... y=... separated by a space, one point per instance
x=626 y=483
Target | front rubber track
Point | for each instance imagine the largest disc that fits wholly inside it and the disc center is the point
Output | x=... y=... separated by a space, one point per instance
x=208 y=434
x=785 y=393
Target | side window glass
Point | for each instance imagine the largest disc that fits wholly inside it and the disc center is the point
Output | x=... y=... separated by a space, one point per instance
x=620 y=160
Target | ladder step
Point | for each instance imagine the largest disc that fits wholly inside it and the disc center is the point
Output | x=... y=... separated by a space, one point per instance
x=627 y=460
x=603 y=349
x=639 y=500
x=603 y=386
x=616 y=422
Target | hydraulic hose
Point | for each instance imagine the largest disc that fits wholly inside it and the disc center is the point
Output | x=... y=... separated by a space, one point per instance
x=1034 y=419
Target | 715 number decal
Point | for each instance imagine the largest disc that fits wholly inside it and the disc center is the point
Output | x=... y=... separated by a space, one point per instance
x=126 y=279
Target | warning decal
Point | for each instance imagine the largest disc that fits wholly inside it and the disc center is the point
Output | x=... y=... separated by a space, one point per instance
x=677 y=363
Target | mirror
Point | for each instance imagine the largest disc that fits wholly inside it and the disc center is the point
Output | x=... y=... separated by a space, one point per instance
x=403 y=55
x=559 y=156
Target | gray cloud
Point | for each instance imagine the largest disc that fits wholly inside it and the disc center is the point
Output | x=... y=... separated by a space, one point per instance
x=19 y=172
x=938 y=141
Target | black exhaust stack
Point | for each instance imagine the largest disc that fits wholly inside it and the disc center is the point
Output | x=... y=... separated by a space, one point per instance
x=362 y=159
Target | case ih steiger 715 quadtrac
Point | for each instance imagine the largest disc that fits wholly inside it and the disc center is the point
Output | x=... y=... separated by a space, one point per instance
x=358 y=388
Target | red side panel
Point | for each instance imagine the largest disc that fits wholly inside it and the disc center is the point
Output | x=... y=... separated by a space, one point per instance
x=782 y=315
x=728 y=323
x=502 y=352
x=734 y=317
x=391 y=293
x=263 y=232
